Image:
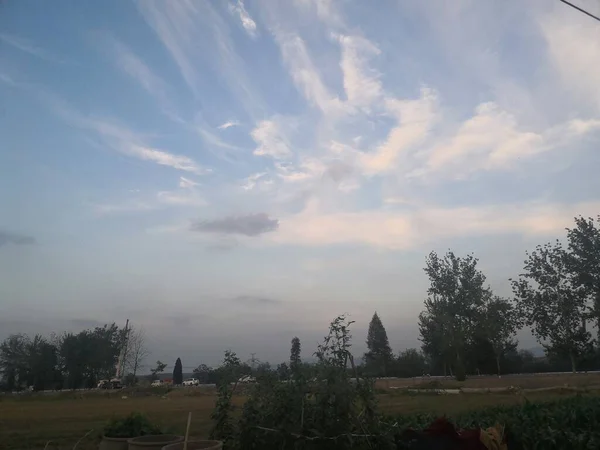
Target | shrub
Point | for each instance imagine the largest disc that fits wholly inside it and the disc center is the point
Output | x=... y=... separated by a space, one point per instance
x=133 y=425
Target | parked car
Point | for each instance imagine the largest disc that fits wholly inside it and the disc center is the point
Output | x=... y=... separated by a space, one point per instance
x=157 y=383
x=191 y=382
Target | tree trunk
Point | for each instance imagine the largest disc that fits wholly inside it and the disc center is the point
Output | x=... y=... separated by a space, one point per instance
x=573 y=365
x=498 y=365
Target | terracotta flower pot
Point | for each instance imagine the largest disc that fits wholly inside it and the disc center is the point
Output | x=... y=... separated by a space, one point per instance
x=153 y=442
x=113 y=443
x=196 y=445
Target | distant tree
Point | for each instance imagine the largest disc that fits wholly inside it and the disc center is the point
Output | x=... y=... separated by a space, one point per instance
x=90 y=355
x=456 y=296
x=500 y=324
x=137 y=351
x=283 y=372
x=295 y=359
x=160 y=367
x=13 y=361
x=583 y=261
x=379 y=355
x=410 y=363
x=178 y=372
x=554 y=306
x=204 y=374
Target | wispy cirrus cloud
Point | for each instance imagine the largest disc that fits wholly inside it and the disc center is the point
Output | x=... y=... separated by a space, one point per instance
x=228 y=124
x=248 y=23
x=27 y=46
x=197 y=37
x=134 y=67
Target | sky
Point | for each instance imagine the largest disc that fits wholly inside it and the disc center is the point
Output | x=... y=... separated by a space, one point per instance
x=231 y=174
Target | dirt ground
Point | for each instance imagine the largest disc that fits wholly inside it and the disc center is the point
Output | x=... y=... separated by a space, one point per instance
x=522 y=381
x=30 y=423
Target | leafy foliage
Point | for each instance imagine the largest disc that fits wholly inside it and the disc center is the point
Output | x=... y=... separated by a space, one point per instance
x=554 y=306
x=133 y=425
x=583 y=260
x=455 y=303
x=324 y=409
x=569 y=423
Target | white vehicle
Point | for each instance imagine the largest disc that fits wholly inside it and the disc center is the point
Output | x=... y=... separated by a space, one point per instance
x=157 y=383
x=191 y=382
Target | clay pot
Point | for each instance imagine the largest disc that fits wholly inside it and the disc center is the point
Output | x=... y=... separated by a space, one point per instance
x=196 y=445
x=153 y=441
x=113 y=443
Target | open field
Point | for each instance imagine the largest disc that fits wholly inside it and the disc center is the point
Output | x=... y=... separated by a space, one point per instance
x=30 y=422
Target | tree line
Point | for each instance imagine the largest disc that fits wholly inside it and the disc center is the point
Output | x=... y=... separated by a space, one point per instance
x=70 y=360
x=465 y=328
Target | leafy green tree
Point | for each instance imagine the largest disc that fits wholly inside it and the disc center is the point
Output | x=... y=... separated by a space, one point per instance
x=500 y=324
x=178 y=372
x=379 y=356
x=553 y=304
x=456 y=297
x=295 y=359
x=583 y=260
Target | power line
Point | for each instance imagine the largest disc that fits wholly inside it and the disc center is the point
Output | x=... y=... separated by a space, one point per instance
x=581 y=10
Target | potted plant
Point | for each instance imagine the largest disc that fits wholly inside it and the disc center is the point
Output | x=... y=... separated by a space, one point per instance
x=118 y=431
x=196 y=445
x=153 y=442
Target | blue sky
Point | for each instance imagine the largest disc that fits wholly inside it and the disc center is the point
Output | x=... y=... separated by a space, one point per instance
x=232 y=174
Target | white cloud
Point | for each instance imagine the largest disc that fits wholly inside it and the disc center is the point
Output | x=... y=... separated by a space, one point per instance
x=409 y=229
x=163 y=158
x=361 y=83
x=253 y=180
x=573 y=49
x=415 y=121
x=304 y=73
x=247 y=22
x=228 y=124
x=186 y=183
x=271 y=140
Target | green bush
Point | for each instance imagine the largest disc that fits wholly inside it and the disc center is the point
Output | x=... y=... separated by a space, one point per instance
x=133 y=425
x=570 y=423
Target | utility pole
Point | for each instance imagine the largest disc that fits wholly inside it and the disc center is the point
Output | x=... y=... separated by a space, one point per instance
x=123 y=353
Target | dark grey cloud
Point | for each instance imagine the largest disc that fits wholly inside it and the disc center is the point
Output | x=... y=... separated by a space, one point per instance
x=7 y=237
x=248 y=225
x=255 y=300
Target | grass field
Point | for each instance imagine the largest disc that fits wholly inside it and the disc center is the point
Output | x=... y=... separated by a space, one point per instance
x=29 y=423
